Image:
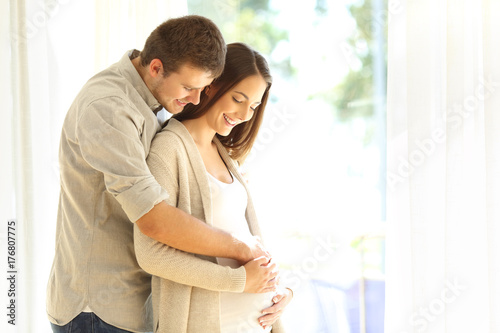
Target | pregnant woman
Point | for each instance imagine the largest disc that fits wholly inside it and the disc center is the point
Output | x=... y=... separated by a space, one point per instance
x=196 y=157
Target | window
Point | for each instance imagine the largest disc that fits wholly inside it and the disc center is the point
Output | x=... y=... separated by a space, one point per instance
x=317 y=170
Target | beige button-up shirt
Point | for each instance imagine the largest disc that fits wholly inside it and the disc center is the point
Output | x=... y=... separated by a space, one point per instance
x=105 y=184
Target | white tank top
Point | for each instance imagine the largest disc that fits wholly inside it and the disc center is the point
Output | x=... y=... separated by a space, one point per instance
x=239 y=311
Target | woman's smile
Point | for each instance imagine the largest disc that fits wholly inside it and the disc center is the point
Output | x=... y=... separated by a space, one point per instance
x=229 y=121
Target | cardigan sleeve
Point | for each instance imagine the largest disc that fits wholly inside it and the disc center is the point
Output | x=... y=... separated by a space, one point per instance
x=169 y=263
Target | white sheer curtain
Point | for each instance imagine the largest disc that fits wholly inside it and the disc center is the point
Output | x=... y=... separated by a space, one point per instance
x=443 y=252
x=49 y=49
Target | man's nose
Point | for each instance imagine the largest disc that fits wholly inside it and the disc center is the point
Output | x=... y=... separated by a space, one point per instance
x=194 y=96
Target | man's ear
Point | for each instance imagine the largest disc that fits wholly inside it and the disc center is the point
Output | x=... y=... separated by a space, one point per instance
x=211 y=90
x=156 y=67
x=208 y=90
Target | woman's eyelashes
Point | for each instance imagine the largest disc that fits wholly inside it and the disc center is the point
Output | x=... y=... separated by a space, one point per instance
x=239 y=102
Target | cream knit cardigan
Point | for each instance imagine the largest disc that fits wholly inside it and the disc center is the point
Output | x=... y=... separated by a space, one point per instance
x=185 y=287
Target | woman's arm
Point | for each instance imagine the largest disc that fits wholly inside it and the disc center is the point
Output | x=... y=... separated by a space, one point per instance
x=182 y=267
x=170 y=263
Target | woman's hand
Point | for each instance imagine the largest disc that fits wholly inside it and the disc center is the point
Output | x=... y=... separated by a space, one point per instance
x=272 y=313
x=261 y=275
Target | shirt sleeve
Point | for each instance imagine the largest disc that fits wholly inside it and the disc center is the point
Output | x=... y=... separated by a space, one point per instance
x=112 y=136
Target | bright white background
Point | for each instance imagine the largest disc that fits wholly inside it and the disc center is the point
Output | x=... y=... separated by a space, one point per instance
x=303 y=210
x=442 y=216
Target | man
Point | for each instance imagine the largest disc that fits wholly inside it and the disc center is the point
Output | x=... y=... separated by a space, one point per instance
x=95 y=283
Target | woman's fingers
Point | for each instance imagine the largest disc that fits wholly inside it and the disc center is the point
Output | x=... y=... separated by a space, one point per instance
x=272 y=313
x=261 y=275
x=269 y=319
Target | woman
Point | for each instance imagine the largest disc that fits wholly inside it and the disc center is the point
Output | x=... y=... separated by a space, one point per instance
x=194 y=158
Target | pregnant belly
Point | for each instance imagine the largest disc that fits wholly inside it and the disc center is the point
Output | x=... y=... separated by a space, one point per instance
x=240 y=311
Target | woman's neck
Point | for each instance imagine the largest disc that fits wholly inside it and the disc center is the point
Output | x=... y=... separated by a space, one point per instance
x=202 y=134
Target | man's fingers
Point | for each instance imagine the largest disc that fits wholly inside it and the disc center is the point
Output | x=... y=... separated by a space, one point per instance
x=262 y=260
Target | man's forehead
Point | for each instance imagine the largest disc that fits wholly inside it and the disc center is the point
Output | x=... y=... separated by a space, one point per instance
x=194 y=77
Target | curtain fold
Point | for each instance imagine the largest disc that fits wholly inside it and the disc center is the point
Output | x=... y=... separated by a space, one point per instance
x=491 y=43
x=125 y=24
x=50 y=48
x=443 y=167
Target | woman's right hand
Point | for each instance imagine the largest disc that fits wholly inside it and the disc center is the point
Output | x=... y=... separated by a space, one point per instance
x=262 y=275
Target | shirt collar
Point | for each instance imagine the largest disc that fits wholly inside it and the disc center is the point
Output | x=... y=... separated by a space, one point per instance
x=131 y=74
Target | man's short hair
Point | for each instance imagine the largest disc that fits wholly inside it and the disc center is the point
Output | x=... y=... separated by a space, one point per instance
x=190 y=39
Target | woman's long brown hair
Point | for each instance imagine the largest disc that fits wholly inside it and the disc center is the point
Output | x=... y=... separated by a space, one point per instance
x=241 y=62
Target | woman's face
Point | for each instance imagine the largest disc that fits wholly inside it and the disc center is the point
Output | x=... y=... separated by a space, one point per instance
x=237 y=105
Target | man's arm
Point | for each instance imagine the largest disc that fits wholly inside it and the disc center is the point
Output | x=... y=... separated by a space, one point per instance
x=172 y=226
x=109 y=143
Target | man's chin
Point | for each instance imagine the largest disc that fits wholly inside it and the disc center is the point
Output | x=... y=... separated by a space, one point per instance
x=175 y=109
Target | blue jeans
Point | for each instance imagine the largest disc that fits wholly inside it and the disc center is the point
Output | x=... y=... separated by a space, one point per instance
x=86 y=322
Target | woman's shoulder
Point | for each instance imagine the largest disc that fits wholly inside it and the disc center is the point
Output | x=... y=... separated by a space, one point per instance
x=168 y=143
x=170 y=135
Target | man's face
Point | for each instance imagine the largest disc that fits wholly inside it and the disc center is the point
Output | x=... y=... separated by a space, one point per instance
x=180 y=88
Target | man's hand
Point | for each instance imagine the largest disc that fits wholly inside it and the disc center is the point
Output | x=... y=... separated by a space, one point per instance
x=252 y=248
x=272 y=313
x=174 y=227
x=261 y=275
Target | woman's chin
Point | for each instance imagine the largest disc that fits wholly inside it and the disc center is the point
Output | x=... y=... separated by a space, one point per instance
x=225 y=133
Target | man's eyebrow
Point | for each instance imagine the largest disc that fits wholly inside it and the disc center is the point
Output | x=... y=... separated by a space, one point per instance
x=192 y=88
